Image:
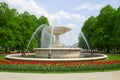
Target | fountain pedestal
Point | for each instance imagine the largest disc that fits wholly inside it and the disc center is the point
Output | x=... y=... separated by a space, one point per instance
x=57 y=52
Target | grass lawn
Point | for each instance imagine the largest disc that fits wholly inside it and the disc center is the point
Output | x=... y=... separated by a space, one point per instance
x=2 y=56
x=113 y=56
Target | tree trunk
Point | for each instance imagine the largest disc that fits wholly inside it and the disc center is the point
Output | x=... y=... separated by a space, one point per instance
x=108 y=49
x=6 y=49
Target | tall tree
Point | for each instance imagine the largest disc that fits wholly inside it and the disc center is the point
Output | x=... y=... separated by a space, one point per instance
x=116 y=29
x=88 y=28
x=16 y=29
x=100 y=30
x=7 y=26
x=105 y=24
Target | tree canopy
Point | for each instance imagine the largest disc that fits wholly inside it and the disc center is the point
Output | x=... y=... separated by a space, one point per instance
x=103 y=31
x=17 y=28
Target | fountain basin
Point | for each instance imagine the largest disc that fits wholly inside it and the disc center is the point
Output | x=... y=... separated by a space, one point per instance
x=18 y=57
x=57 y=52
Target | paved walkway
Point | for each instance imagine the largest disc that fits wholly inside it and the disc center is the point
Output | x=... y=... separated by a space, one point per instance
x=113 y=75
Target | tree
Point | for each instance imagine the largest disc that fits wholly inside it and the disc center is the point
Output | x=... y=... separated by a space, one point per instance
x=100 y=31
x=88 y=29
x=16 y=29
x=7 y=26
x=105 y=23
x=116 y=29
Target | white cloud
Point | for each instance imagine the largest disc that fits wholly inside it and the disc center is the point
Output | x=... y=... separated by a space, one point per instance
x=79 y=17
x=63 y=14
x=56 y=17
x=71 y=25
x=89 y=6
x=66 y=15
x=33 y=8
x=27 y=5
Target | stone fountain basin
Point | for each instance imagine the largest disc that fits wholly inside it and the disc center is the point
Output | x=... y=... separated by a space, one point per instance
x=58 y=29
x=57 y=52
x=19 y=58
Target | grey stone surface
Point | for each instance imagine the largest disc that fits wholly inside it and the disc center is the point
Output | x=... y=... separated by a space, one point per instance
x=58 y=52
x=113 y=75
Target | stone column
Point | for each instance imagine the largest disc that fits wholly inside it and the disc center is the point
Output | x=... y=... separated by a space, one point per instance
x=56 y=40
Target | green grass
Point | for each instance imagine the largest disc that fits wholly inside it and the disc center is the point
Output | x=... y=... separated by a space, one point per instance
x=113 y=56
x=2 y=56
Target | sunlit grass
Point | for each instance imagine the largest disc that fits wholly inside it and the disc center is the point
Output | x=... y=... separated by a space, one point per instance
x=113 y=56
x=2 y=56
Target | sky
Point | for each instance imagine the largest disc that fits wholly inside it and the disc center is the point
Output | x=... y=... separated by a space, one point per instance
x=70 y=13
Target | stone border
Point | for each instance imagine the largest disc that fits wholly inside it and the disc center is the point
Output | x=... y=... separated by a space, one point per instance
x=16 y=57
x=57 y=52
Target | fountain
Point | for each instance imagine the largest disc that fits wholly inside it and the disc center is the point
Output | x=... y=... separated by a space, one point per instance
x=53 y=50
x=57 y=50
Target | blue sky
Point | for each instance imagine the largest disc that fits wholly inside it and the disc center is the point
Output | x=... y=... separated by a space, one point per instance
x=70 y=13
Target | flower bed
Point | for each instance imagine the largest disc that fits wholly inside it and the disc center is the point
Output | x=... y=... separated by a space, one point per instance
x=58 y=66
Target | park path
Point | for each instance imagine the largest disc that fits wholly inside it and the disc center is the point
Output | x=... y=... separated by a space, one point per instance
x=112 y=75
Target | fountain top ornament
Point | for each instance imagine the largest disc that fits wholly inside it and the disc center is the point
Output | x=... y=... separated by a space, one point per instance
x=58 y=29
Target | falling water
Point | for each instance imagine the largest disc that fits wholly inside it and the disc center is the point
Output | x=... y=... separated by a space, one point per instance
x=85 y=40
x=38 y=29
x=72 y=39
x=45 y=39
x=51 y=41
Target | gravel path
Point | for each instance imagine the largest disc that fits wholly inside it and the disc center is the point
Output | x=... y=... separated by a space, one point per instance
x=112 y=75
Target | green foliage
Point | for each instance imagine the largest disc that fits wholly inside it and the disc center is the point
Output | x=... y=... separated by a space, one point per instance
x=57 y=67
x=87 y=29
x=103 y=31
x=16 y=29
